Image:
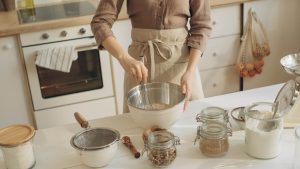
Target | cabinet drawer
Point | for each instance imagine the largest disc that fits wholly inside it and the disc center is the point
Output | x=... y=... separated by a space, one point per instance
x=220 y=52
x=226 y=21
x=220 y=81
x=64 y=115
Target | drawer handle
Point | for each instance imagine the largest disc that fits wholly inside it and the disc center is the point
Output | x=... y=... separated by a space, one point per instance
x=214 y=23
x=7 y=47
x=63 y=33
x=45 y=35
x=82 y=31
x=215 y=54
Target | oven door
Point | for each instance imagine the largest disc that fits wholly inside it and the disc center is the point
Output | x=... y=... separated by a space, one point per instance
x=90 y=76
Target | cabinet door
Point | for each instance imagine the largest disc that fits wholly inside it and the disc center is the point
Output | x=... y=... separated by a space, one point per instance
x=220 y=81
x=15 y=105
x=220 y=52
x=226 y=21
x=281 y=21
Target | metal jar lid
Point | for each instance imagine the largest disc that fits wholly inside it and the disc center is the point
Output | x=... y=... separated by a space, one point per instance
x=213 y=130
x=162 y=139
x=95 y=139
x=286 y=98
x=212 y=113
x=15 y=135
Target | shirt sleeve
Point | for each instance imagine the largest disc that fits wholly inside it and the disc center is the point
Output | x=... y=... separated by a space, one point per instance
x=105 y=16
x=200 y=24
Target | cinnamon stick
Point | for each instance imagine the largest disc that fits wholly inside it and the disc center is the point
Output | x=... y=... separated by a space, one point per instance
x=127 y=142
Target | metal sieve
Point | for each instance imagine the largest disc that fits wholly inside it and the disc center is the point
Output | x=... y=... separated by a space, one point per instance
x=95 y=138
x=96 y=146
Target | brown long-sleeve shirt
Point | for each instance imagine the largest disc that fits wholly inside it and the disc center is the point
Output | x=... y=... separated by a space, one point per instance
x=156 y=14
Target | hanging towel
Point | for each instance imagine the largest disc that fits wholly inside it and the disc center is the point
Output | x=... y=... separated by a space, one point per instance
x=59 y=58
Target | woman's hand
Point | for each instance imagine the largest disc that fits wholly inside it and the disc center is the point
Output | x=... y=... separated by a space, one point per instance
x=186 y=81
x=132 y=66
x=187 y=77
x=135 y=68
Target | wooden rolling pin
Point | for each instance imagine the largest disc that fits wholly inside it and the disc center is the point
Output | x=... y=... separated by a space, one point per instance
x=127 y=142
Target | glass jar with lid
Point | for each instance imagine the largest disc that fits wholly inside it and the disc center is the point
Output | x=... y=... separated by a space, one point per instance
x=16 y=145
x=213 y=114
x=213 y=138
x=161 y=148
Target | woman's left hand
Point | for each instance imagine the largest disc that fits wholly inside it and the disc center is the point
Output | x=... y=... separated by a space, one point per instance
x=186 y=81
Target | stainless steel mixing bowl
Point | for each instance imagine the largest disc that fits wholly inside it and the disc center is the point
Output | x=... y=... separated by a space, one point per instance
x=155 y=104
x=291 y=63
x=155 y=96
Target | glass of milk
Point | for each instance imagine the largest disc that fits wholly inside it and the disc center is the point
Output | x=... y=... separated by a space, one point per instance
x=263 y=130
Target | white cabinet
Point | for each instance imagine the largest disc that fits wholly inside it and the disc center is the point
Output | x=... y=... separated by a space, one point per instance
x=282 y=23
x=216 y=66
x=15 y=105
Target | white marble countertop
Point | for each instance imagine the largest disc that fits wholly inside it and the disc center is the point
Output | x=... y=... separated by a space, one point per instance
x=53 y=150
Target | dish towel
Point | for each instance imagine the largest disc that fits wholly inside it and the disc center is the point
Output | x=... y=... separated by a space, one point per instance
x=59 y=58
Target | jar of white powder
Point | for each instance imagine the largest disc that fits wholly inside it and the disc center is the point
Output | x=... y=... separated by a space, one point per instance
x=263 y=131
x=16 y=146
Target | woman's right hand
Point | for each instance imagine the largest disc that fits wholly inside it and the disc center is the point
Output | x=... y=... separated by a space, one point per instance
x=135 y=68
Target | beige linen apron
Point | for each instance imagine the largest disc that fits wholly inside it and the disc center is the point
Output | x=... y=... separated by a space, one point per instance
x=166 y=57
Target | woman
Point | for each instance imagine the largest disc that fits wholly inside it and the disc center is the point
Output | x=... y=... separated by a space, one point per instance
x=160 y=36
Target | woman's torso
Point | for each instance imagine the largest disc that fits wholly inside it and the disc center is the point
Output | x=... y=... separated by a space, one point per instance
x=159 y=14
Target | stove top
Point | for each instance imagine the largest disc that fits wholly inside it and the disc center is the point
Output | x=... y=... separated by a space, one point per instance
x=57 y=11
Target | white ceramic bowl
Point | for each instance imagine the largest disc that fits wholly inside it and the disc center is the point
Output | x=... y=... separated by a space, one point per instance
x=155 y=104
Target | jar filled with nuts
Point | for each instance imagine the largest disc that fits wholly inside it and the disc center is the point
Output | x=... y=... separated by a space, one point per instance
x=213 y=114
x=161 y=148
x=213 y=138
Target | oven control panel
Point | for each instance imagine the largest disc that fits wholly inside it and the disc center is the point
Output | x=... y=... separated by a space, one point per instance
x=55 y=35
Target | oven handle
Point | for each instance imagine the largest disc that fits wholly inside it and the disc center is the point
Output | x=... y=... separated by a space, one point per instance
x=92 y=45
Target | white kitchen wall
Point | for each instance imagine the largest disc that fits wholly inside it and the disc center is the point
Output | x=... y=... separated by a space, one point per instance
x=281 y=21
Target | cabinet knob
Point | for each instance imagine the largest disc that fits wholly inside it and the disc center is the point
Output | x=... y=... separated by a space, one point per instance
x=214 y=23
x=45 y=36
x=214 y=85
x=215 y=54
x=63 y=33
x=6 y=46
x=82 y=31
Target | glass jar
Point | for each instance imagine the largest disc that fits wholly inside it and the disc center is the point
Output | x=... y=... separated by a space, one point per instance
x=263 y=130
x=296 y=163
x=213 y=138
x=161 y=148
x=213 y=114
x=16 y=145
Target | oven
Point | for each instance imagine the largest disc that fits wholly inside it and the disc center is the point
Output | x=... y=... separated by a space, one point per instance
x=88 y=84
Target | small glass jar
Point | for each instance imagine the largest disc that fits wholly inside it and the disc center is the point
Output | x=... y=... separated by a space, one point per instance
x=213 y=114
x=213 y=138
x=296 y=163
x=16 y=145
x=161 y=148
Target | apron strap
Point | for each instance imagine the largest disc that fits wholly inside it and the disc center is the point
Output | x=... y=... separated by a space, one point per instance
x=153 y=45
